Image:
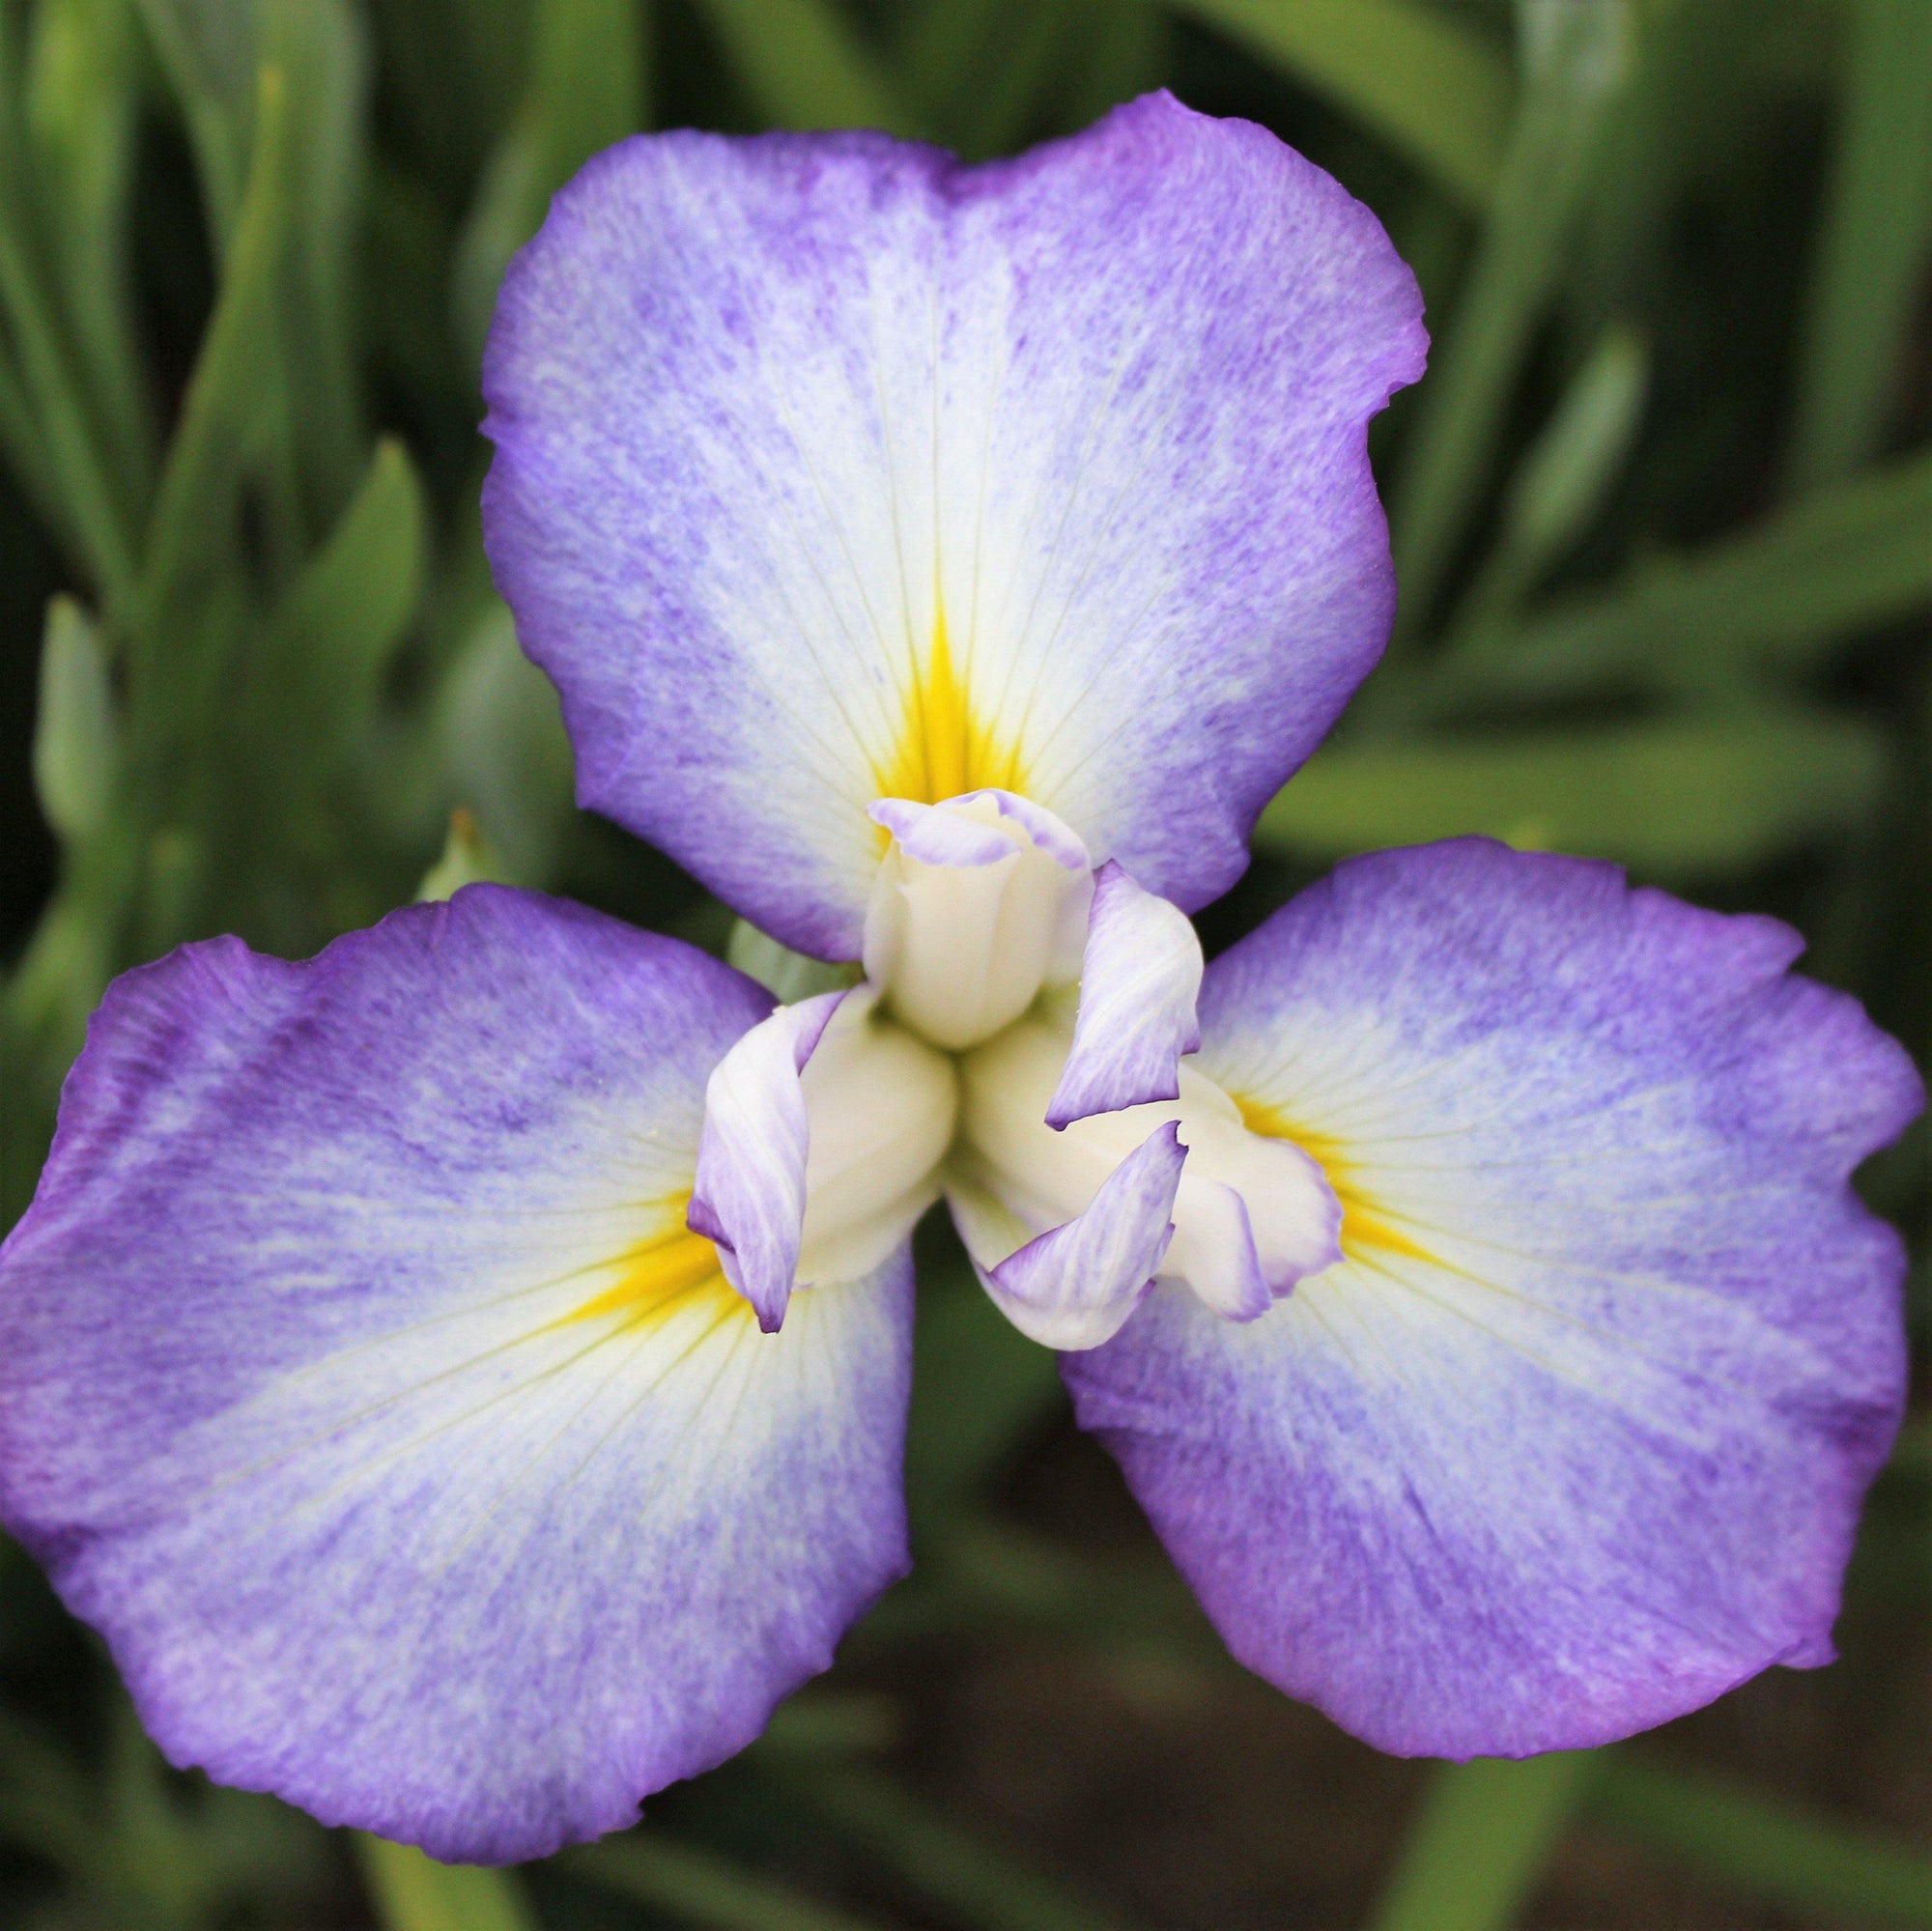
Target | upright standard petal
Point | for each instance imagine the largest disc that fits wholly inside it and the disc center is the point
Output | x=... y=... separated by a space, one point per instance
x=1574 y=1435
x=979 y=902
x=362 y=1384
x=830 y=471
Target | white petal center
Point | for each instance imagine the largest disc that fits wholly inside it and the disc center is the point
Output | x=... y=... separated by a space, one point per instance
x=1047 y=1178
x=979 y=903
x=880 y=1107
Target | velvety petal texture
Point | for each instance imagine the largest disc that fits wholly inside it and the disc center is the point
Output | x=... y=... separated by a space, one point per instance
x=828 y=469
x=1574 y=1435
x=361 y=1382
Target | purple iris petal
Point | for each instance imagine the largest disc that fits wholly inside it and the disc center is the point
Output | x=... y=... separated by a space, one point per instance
x=361 y=1382
x=1575 y=1437
x=1073 y=1286
x=749 y=1194
x=828 y=469
x=1138 y=986
x=941 y=838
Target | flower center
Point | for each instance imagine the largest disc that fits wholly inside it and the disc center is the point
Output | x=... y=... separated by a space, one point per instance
x=1044 y=1177
x=979 y=903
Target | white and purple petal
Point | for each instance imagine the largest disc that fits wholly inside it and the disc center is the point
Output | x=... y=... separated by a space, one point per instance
x=1252 y=1213
x=1074 y=1285
x=1574 y=1435
x=361 y=1382
x=978 y=902
x=828 y=469
x=749 y=1192
x=1139 y=981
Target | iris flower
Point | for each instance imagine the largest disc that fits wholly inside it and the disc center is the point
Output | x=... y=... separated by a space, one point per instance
x=463 y=1376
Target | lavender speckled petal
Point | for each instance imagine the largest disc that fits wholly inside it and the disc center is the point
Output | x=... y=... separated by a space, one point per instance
x=748 y=1193
x=828 y=469
x=941 y=838
x=1139 y=981
x=1073 y=1286
x=1575 y=1437
x=360 y=1382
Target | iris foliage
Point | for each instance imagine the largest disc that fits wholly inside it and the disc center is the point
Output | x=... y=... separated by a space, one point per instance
x=1663 y=514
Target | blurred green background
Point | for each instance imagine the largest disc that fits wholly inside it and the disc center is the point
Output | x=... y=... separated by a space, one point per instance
x=1662 y=509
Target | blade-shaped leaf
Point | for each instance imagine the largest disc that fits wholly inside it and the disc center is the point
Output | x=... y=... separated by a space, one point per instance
x=222 y=408
x=1484 y=1834
x=692 y=1886
x=81 y=98
x=805 y=68
x=498 y=734
x=978 y=1884
x=46 y=405
x=412 y=1893
x=76 y=738
x=1578 y=58
x=1427 y=84
x=321 y=46
x=209 y=50
x=1781 y=594
x=586 y=92
x=1679 y=797
x=1559 y=487
x=316 y=673
x=1869 y=267
x=1761 y=1845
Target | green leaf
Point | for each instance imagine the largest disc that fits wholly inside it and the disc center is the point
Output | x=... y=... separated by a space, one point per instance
x=467 y=859
x=1559 y=487
x=501 y=741
x=979 y=1385
x=76 y=740
x=978 y=1884
x=1576 y=59
x=805 y=68
x=317 y=673
x=787 y=976
x=1123 y=53
x=1426 y=84
x=222 y=413
x=1762 y=1846
x=940 y=52
x=586 y=92
x=321 y=47
x=208 y=51
x=692 y=1886
x=80 y=113
x=47 y=402
x=1484 y=1834
x=1781 y=594
x=1869 y=267
x=1679 y=797
x=414 y=1892
x=832 y=1722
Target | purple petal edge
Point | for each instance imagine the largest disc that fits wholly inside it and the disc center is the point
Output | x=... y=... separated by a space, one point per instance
x=300 y=1408
x=1074 y=1285
x=1138 y=986
x=748 y=1196
x=1467 y=1518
